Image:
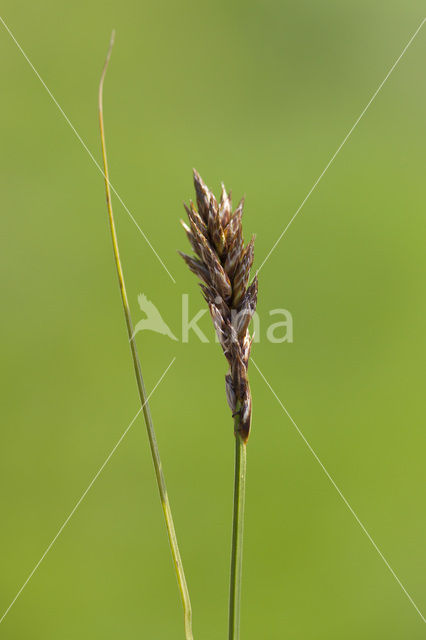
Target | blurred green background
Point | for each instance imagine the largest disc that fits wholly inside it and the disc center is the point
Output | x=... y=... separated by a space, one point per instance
x=260 y=95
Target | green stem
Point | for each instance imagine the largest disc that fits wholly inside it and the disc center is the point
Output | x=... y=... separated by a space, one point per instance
x=141 y=386
x=237 y=535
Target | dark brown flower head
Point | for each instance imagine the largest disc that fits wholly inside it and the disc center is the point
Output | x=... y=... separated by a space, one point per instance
x=223 y=263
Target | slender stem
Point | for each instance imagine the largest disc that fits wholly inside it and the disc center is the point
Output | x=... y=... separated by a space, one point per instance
x=141 y=387
x=237 y=535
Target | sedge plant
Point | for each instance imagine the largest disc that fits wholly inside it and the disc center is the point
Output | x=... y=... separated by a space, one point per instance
x=223 y=265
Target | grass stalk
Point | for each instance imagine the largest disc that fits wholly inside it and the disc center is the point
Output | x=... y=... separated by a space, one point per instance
x=237 y=534
x=139 y=378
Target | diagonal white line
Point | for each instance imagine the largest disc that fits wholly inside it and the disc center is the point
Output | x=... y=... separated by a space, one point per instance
x=80 y=139
x=84 y=494
x=340 y=494
x=318 y=180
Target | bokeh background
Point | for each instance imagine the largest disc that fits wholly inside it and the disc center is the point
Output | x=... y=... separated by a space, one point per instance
x=258 y=94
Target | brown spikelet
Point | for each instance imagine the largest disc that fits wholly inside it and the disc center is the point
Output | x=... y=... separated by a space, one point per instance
x=223 y=264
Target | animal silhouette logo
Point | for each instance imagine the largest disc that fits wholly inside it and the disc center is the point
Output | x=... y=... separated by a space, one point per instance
x=153 y=320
